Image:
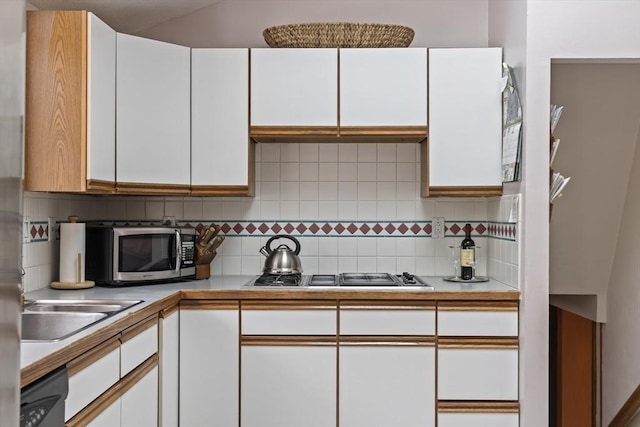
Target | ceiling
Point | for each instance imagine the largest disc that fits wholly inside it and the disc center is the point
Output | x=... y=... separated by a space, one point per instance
x=128 y=16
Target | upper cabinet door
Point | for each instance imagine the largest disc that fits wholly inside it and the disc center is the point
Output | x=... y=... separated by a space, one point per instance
x=465 y=122
x=295 y=87
x=101 y=95
x=383 y=87
x=153 y=116
x=220 y=147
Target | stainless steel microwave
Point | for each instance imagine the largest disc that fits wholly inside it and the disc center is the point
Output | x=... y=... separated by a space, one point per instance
x=121 y=255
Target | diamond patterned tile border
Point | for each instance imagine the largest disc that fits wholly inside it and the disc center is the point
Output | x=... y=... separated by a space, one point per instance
x=39 y=230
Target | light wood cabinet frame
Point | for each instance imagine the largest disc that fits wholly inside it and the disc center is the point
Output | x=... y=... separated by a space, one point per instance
x=56 y=103
x=463 y=406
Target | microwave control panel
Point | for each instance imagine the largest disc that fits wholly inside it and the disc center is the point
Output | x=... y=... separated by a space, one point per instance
x=188 y=250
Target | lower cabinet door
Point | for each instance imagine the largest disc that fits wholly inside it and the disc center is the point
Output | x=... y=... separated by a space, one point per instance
x=387 y=385
x=139 y=404
x=478 y=419
x=478 y=373
x=209 y=364
x=288 y=385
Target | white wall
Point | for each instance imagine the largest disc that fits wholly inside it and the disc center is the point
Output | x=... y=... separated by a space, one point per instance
x=597 y=132
x=621 y=335
x=437 y=23
x=561 y=29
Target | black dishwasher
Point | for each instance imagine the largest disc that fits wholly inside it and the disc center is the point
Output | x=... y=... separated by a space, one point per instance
x=42 y=403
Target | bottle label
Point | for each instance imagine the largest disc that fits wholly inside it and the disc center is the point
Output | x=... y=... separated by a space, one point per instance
x=467 y=257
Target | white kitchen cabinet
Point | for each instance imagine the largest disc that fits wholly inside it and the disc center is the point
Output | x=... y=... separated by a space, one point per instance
x=139 y=404
x=90 y=375
x=153 y=113
x=139 y=342
x=70 y=103
x=169 y=366
x=101 y=96
x=102 y=394
x=463 y=153
x=469 y=319
x=221 y=152
x=288 y=363
x=294 y=88
x=288 y=385
x=387 y=363
x=478 y=419
x=383 y=88
x=209 y=363
x=473 y=370
x=386 y=384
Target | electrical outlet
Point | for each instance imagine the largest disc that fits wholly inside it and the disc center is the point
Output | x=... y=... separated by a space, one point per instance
x=169 y=220
x=437 y=228
x=51 y=223
x=26 y=228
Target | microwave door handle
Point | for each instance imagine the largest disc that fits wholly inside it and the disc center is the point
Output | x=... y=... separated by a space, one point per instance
x=178 y=251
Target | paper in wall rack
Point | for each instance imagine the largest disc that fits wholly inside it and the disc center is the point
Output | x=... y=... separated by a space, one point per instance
x=511 y=127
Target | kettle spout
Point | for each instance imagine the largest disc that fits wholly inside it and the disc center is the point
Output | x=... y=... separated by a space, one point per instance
x=264 y=251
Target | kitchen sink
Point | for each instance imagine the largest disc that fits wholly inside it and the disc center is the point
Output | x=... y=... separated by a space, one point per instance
x=80 y=306
x=54 y=320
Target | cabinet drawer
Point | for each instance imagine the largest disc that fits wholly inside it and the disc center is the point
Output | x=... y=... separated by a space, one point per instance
x=289 y=319
x=477 y=419
x=477 y=372
x=90 y=375
x=138 y=344
x=474 y=319
x=387 y=320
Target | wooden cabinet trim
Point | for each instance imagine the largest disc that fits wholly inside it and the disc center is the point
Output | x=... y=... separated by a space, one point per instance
x=288 y=341
x=285 y=131
x=209 y=305
x=87 y=359
x=493 y=407
x=149 y=188
x=478 y=306
x=383 y=341
x=166 y=312
x=138 y=373
x=389 y=131
x=100 y=186
x=289 y=305
x=135 y=330
x=481 y=343
x=387 y=305
x=221 y=190
x=466 y=191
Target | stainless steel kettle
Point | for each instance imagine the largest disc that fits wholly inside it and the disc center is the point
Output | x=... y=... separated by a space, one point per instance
x=281 y=260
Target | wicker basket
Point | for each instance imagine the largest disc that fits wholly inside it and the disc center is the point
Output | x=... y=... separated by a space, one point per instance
x=338 y=34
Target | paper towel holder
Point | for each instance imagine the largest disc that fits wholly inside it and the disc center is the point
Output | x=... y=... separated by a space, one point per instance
x=79 y=282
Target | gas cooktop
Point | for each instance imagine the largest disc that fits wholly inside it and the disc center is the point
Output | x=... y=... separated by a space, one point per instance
x=344 y=280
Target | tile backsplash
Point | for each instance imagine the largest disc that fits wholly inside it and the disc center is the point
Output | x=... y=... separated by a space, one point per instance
x=354 y=207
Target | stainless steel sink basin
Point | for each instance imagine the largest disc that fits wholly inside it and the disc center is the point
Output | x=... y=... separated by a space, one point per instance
x=54 y=320
x=80 y=306
x=49 y=326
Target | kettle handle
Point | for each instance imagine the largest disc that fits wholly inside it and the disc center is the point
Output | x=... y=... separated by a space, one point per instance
x=286 y=236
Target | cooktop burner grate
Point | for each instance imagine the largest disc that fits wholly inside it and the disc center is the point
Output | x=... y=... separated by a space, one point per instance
x=278 y=280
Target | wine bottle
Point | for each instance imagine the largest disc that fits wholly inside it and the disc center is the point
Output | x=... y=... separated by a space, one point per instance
x=467 y=254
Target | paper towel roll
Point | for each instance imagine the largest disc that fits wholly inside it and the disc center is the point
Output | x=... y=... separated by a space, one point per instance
x=72 y=237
